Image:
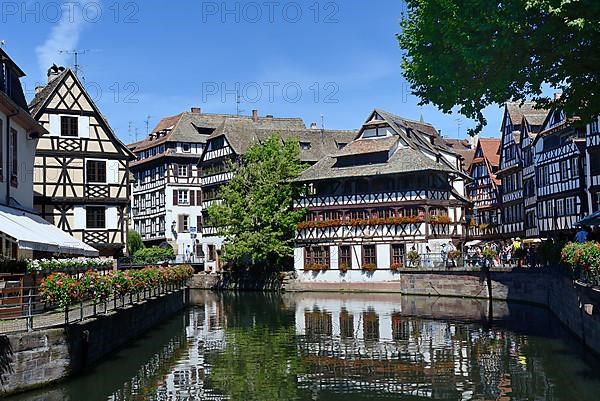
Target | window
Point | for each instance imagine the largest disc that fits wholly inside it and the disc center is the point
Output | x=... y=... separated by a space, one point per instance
x=95 y=217
x=397 y=254
x=316 y=255
x=560 y=207
x=212 y=253
x=570 y=206
x=68 y=126
x=345 y=256
x=574 y=168
x=182 y=170
x=369 y=255
x=95 y=171
x=14 y=156
x=305 y=145
x=183 y=223
x=183 y=197
x=187 y=148
x=564 y=169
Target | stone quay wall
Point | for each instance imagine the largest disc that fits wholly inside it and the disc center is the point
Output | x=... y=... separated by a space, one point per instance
x=33 y=359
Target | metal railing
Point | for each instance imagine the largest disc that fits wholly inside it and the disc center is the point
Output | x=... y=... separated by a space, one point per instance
x=26 y=311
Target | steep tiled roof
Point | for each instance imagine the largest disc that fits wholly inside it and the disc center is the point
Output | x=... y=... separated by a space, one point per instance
x=517 y=111
x=462 y=147
x=405 y=160
x=414 y=146
x=489 y=147
x=35 y=106
x=198 y=127
x=371 y=145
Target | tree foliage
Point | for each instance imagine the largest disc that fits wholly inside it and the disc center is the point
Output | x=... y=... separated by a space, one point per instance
x=256 y=216
x=474 y=53
x=134 y=242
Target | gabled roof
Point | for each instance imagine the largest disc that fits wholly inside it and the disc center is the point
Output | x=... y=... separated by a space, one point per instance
x=488 y=148
x=404 y=160
x=42 y=98
x=463 y=148
x=197 y=127
x=517 y=111
x=414 y=137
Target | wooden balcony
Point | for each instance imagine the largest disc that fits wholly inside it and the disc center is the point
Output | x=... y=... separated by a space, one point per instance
x=370 y=199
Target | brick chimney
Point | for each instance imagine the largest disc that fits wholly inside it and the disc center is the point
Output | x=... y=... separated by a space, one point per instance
x=196 y=110
x=255 y=115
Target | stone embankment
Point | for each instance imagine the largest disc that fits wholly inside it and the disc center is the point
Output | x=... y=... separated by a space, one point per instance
x=33 y=359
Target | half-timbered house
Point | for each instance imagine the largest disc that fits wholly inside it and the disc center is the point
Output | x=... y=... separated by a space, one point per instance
x=166 y=181
x=562 y=199
x=511 y=165
x=81 y=172
x=395 y=188
x=23 y=234
x=230 y=141
x=484 y=190
x=593 y=164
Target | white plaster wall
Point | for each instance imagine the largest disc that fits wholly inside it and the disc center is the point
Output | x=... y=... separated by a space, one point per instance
x=23 y=193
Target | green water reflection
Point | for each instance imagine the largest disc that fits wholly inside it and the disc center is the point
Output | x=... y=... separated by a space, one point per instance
x=343 y=347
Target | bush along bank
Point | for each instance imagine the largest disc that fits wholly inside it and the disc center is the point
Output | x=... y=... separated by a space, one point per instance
x=62 y=289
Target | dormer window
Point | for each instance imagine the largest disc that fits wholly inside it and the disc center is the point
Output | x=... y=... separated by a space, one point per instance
x=305 y=145
x=187 y=148
x=69 y=126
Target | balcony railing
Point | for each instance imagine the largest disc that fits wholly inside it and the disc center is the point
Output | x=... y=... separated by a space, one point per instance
x=364 y=199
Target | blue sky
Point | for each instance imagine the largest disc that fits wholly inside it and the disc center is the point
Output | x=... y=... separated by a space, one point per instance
x=156 y=58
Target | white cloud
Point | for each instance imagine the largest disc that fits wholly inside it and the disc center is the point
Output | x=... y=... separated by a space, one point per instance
x=64 y=35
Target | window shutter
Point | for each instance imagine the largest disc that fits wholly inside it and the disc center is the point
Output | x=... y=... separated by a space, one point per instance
x=112 y=171
x=180 y=223
x=198 y=198
x=83 y=127
x=198 y=222
x=54 y=127
x=175 y=170
x=189 y=170
x=192 y=198
x=175 y=197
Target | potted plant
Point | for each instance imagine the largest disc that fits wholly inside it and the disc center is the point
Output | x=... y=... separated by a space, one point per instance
x=344 y=267
x=395 y=267
x=413 y=258
x=584 y=261
x=369 y=267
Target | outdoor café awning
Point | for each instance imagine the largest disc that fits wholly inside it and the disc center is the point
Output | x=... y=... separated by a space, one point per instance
x=590 y=220
x=34 y=233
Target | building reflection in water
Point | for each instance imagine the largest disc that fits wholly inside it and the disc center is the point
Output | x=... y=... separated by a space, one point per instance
x=331 y=346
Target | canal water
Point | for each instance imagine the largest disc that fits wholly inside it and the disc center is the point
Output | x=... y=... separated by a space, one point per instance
x=347 y=347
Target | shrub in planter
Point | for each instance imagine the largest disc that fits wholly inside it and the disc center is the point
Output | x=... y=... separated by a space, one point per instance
x=61 y=289
x=439 y=220
x=369 y=267
x=454 y=255
x=583 y=259
x=489 y=253
x=413 y=257
x=97 y=286
x=395 y=266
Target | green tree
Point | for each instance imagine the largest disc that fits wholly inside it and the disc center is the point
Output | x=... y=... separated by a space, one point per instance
x=134 y=242
x=256 y=216
x=471 y=54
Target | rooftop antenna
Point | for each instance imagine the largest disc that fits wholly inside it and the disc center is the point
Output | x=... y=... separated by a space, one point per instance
x=75 y=54
x=129 y=131
x=458 y=123
x=136 y=134
x=148 y=124
x=238 y=101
